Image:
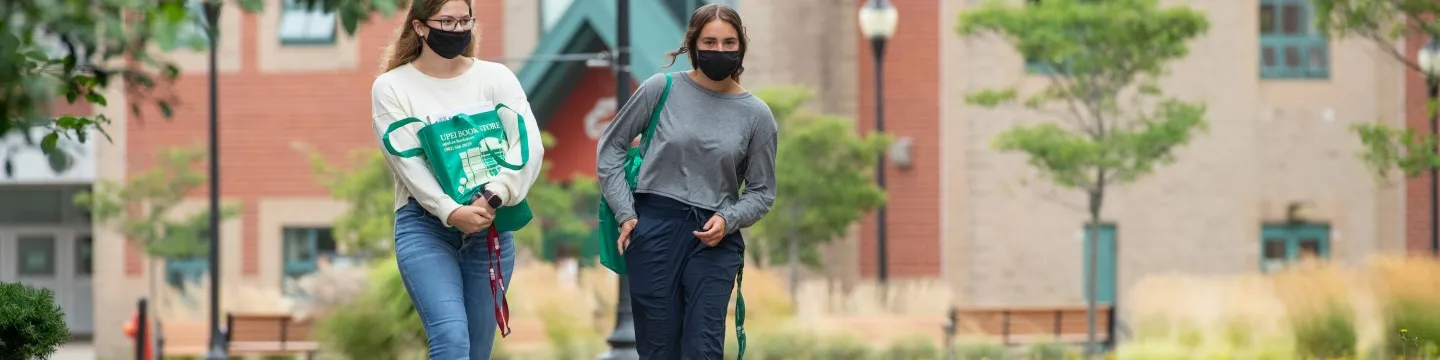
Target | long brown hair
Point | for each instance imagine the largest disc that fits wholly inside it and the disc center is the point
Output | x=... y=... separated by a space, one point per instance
x=704 y=15
x=406 y=47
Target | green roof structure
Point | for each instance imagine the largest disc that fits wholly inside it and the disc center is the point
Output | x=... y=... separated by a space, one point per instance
x=589 y=26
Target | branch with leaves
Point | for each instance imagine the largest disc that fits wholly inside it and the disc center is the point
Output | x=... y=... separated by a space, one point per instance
x=144 y=208
x=73 y=50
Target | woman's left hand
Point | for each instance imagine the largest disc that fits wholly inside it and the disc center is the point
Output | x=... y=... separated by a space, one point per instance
x=713 y=231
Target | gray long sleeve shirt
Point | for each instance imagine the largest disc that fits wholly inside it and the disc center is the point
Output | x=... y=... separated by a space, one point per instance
x=706 y=145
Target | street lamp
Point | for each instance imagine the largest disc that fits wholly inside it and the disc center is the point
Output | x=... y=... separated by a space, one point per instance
x=217 y=339
x=1429 y=59
x=877 y=22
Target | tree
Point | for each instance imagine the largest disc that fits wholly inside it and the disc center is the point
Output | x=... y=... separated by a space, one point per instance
x=143 y=209
x=825 y=175
x=1385 y=22
x=1105 y=59
x=73 y=50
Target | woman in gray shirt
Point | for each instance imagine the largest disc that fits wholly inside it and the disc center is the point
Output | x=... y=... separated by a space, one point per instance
x=680 y=227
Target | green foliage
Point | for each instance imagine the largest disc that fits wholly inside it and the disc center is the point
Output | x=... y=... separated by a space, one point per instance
x=1048 y=351
x=564 y=215
x=380 y=323
x=982 y=349
x=76 y=50
x=1328 y=333
x=824 y=170
x=843 y=347
x=1107 y=49
x=568 y=339
x=1384 y=22
x=143 y=208
x=913 y=347
x=32 y=326
x=368 y=226
x=1412 y=328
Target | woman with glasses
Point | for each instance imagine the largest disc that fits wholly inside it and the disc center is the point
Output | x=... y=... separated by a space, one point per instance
x=440 y=245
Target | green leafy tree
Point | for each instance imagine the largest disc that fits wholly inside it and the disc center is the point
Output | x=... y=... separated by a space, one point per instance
x=74 y=50
x=143 y=209
x=1105 y=59
x=825 y=175
x=1384 y=22
x=367 y=228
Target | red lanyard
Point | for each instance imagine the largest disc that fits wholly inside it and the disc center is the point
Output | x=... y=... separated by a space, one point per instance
x=497 y=282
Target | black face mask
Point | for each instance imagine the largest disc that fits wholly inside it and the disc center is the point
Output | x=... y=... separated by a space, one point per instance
x=717 y=65
x=447 y=44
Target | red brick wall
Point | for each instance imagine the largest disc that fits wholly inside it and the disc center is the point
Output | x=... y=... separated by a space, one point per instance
x=912 y=109
x=1417 y=189
x=263 y=114
x=574 y=151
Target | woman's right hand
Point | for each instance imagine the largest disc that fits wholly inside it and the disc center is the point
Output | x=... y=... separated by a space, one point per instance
x=471 y=219
x=625 y=228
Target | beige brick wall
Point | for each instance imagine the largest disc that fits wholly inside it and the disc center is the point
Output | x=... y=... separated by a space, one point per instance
x=1013 y=239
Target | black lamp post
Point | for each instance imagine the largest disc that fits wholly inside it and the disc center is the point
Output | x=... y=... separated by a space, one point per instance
x=622 y=339
x=877 y=22
x=217 y=338
x=1429 y=59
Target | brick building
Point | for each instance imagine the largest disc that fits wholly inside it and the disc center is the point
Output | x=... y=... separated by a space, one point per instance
x=1280 y=103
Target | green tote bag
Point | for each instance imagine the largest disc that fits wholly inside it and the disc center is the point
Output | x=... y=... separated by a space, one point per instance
x=465 y=152
x=610 y=229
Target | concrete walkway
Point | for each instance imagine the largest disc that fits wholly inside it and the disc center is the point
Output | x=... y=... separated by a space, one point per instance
x=75 y=351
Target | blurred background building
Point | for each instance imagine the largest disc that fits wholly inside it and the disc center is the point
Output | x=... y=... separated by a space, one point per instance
x=1276 y=178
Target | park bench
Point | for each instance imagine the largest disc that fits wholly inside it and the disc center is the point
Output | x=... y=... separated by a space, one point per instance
x=185 y=338
x=270 y=334
x=1029 y=325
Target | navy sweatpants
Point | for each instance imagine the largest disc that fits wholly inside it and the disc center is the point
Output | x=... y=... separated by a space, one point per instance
x=679 y=287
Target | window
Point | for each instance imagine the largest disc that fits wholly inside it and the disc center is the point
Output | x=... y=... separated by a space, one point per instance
x=1281 y=244
x=84 y=255
x=1105 y=274
x=1036 y=66
x=303 y=250
x=181 y=272
x=37 y=255
x=1290 y=46
x=300 y=25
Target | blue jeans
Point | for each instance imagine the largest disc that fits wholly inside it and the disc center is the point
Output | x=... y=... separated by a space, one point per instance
x=448 y=277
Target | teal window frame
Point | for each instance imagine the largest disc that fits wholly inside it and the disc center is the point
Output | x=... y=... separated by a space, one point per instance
x=292 y=13
x=188 y=270
x=1107 y=273
x=1302 y=52
x=549 y=19
x=317 y=242
x=1289 y=239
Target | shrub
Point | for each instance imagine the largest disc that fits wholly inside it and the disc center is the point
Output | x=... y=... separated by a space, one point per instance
x=1326 y=333
x=913 y=347
x=980 y=349
x=31 y=325
x=568 y=338
x=843 y=347
x=380 y=323
x=1411 y=327
x=1049 y=351
x=783 y=344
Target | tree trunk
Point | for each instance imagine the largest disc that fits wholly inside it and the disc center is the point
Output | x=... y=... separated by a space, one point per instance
x=1092 y=273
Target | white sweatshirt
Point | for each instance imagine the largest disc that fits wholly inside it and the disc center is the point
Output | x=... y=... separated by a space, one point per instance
x=406 y=92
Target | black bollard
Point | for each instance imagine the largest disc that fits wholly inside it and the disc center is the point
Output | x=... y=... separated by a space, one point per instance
x=141 y=341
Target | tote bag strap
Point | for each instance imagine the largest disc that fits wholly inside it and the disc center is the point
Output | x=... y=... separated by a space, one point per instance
x=655 y=116
x=385 y=138
x=524 y=141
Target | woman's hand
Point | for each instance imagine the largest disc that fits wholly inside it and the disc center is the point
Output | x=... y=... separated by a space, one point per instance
x=713 y=231
x=471 y=219
x=625 y=229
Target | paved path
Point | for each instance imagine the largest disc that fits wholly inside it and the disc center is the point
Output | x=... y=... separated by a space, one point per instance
x=75 y=351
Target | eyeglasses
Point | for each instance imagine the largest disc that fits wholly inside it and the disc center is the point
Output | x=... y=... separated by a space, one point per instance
x=449 y=24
